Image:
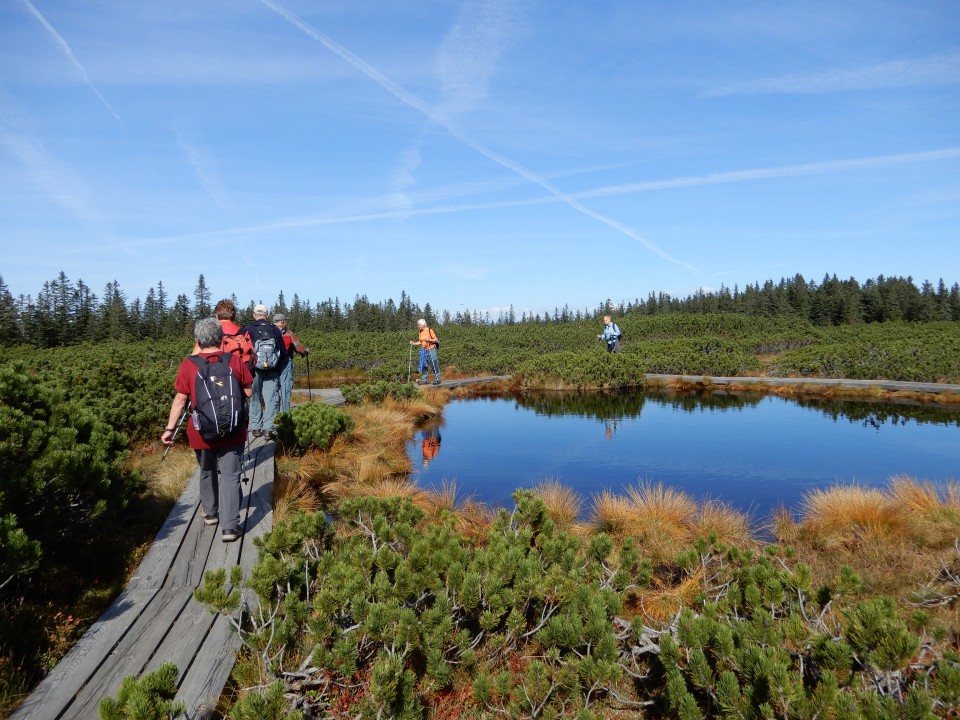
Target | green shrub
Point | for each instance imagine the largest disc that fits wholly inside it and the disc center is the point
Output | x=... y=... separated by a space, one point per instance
x=378 y=391
x=311 y=426
x=149 y=697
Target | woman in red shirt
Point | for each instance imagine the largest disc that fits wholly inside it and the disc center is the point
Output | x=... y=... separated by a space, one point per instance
x=219 y=459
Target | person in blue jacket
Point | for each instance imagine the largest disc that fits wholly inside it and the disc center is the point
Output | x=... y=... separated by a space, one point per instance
x=611 y=334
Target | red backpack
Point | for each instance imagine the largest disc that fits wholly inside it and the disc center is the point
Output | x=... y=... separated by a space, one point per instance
x=239 y=344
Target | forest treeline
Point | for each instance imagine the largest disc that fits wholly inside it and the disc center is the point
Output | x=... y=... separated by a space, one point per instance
x=64 y=312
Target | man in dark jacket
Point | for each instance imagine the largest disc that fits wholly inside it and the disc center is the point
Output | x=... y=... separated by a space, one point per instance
x=269 y=357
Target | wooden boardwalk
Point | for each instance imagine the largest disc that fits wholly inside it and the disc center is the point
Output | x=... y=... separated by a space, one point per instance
x=156 y=619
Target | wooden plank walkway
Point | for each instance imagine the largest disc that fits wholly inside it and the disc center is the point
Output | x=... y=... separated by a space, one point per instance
x=156 y=619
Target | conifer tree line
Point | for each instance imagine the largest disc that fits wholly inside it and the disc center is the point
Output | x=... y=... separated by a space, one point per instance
x=64 y=312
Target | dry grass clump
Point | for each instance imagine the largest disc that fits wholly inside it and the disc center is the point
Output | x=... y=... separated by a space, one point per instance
x=379 y=425
x=934 y=514
x=472 y=519
x=663 y=506
x=852 y=514
x=563 y=503
x=293 y=493
x=662 y=518
x=165 y=479
x=661 y=602
x=611 y=513
x=892 y=537
x=731 y=526
x=393 y=487
x=664 y=521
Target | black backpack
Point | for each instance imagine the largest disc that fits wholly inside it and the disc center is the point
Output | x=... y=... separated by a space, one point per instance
x=219 y=405
x=266 y=354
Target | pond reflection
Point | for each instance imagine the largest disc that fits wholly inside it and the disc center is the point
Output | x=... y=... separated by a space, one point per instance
x=750 y=450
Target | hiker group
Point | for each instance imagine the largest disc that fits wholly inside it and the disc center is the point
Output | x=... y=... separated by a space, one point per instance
x=238 y=380
x=235 y=380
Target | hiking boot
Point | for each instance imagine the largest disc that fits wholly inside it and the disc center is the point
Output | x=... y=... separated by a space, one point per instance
x=257 y=433
x=437 y=381
x=209 y=519
x=230 y=535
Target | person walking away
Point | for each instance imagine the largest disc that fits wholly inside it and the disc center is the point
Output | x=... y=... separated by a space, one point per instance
x=292 y=344
x=234 y=339
x=269 y=355
x=220 y=458
x=427 y=339
x=611 y=334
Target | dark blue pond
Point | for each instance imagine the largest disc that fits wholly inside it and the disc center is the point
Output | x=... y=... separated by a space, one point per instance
x=751 y=451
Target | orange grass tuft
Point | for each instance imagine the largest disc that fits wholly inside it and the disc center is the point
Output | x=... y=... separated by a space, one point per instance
x=292 y=493
x=661 y=602
x=669 y=510
x=612 y=514
x=563 y=503
x=731 y=526
x=384 y=488
x=848 y=513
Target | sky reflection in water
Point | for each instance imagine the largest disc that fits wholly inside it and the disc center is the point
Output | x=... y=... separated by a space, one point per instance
x=754 y=452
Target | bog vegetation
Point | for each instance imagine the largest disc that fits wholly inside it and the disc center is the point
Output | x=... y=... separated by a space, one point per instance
x=394 y=602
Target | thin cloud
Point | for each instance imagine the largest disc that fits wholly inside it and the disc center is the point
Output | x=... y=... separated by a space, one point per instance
x=469 y=54
x=68 y=52
x=755 y=174
x=441 y=119
x=405 y=176
x=939 y=69
x=467 y=272
x=55 y=179
x=817 y=168
x=207 y=171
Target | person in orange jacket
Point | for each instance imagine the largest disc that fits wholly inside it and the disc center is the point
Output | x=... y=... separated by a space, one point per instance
x=234 y=339
x=427 y=339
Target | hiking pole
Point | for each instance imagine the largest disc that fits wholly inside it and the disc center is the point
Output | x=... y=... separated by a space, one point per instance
x=409 y=362
x=309 y=389
x=175 y=431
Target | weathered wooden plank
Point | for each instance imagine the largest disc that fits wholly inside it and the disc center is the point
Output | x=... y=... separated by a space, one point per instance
x=193 y=554
x=132 y=653
x=166 y=545
x=260 y=509
x=187 y=635
x=58 y=689
x=202 y=685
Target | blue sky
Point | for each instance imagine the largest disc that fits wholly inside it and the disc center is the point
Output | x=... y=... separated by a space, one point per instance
x=476 y=154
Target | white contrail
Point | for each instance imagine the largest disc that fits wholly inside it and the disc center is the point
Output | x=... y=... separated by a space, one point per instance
x=443 y=121
x=932 y=70
x=815 y=168
x=70 y=56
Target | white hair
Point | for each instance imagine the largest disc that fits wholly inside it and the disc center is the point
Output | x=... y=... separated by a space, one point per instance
x=421 y=321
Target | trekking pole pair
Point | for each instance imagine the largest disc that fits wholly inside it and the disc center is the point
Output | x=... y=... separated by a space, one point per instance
x=175 y=431
x=409 y=362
